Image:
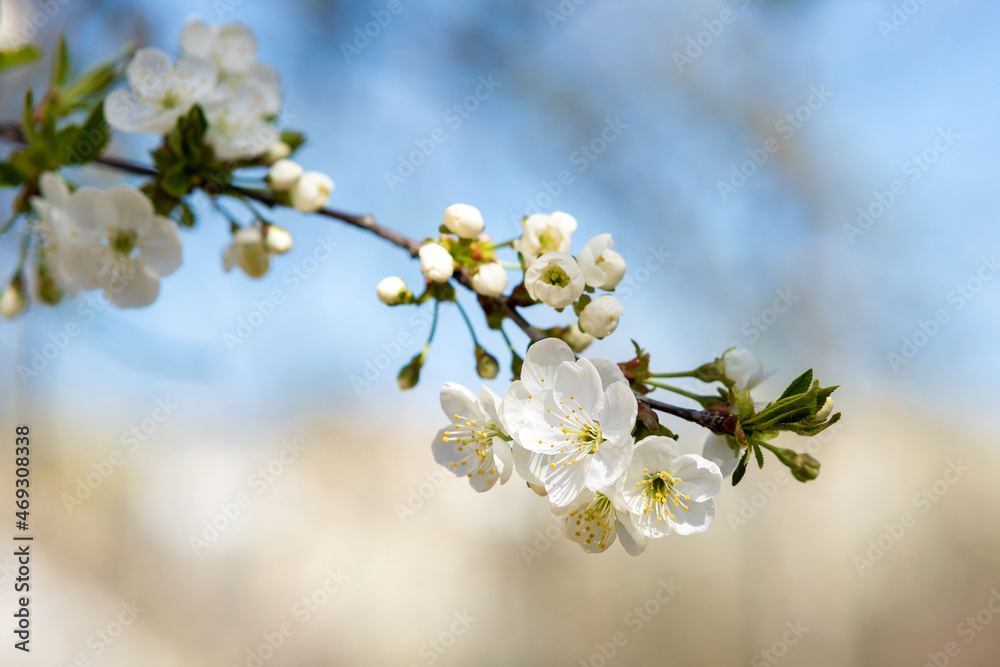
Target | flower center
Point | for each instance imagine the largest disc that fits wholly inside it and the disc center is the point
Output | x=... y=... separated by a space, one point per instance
x=475 y=442
x=659 y=488
x=555 y=275
x=122 y=241
x=594 y=521
x=169 y=100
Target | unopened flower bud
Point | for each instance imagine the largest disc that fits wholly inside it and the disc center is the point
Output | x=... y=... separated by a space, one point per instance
x=49 y=290
x=311 y=192
x=283 y=175
x=486 y=364
x=13 y=301
x=803 y=466
x=277 y=240
x=574 y=337
x=464 y=220
x=392 y=291
x=436 y=262
x=279 y=150
x=490 y=279
x=600 y=317
x=602 y=266
x=824 y=412
x=409 y=375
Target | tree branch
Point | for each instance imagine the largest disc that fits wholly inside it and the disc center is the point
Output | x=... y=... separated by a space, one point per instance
x=713 y=421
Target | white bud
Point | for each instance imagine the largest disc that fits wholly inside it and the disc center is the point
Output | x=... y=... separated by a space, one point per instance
x=600 y=317
x=311 y=192
x=554 y=279
x=464 y=220
x=602 y=267
x=824 y=412
x=391 y=290
x=490 y=279
x=277 y=240
x=283 y=175
x=12 y=300
x=742 y=367
x=576 y=338
x=436 y=262
x=279 y=150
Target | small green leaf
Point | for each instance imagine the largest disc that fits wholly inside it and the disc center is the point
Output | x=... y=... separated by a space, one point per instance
x=176 y=181
x=25 y=55
x=799 y=385
x=80 y=145
x=741 y=467
x=185 y=216
x=758 y=454
x=744 y=403
x=295 y=140
x=60 y=63
x=10 y=175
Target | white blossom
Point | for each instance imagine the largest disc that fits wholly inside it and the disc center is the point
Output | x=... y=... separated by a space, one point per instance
x=474 y=444
x=490 y=279
x=595 y=519
x=253 y=246
x=543 y=233
x=161 y=93
x=742 y=367
x=436 y=262
x=602 y=267
x=669 y=492
x=555 y=279
x=582 y=428
x=110 y=239
x=463 y=220
x=599 y=318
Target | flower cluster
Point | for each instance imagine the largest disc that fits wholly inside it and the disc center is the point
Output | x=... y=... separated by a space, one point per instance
x=218 y=71
x=567 y=428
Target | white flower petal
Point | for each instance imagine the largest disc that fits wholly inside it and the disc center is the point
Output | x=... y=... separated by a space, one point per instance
x=541 y=362
x=702 y=478
x=630 y=536
x=609 y=370
x=131 y=284
x=695 y=519
x=457 y=400
x=618 y=412
x=718 y=450
x=161 y=246
x=578 y=386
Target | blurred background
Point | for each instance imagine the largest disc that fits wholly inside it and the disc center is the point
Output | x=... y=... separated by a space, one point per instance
x=743 y=154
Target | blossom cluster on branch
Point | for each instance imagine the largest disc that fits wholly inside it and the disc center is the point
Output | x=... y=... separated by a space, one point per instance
x=585 y=433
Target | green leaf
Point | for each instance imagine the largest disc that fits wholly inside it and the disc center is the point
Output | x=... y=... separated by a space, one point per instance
x=92 y=83
x=80 y=145
x=25 y=55
x=744 y=403
x=10 y=175
x=295 y=140
x=799 y=385
x=60 y=63
x=185 y=216
x=741 y=467
x=176 y=181
x=758 y=454
x=27 y=116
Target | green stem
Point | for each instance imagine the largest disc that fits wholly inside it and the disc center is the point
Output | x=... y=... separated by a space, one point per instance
x=23 y=256
x=676 y=390
x=434 y=324
x=10 y=223
x=685 y=374
x=253 y=211
x=510 y=265
x=468 y=323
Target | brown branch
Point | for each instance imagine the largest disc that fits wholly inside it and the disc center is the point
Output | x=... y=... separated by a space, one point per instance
x=713 y=421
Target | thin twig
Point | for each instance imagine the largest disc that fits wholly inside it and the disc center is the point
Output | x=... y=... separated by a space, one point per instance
x=713 y=421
